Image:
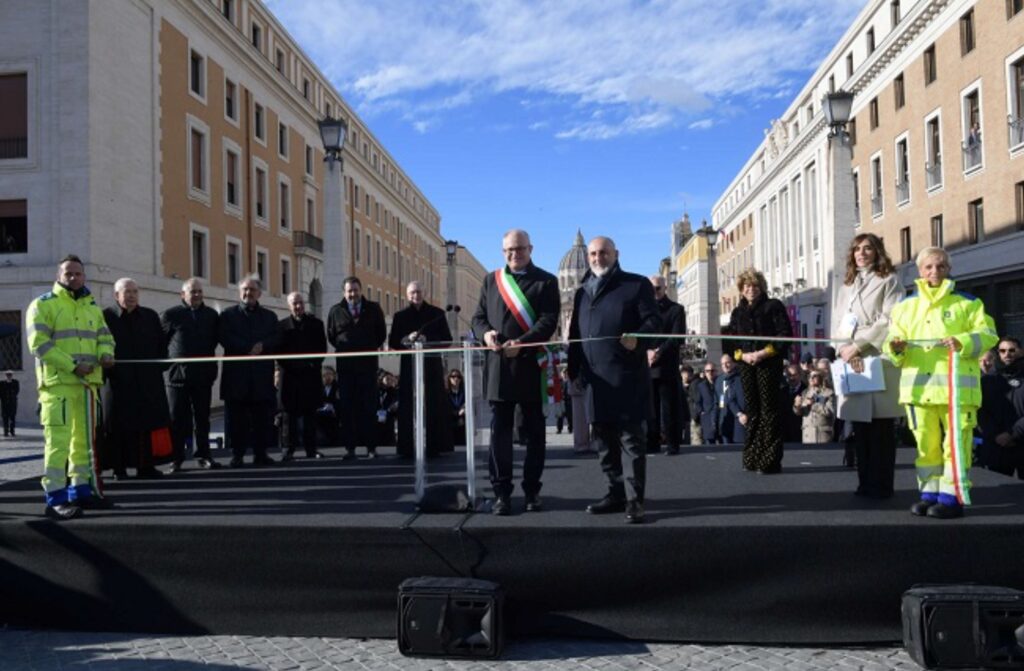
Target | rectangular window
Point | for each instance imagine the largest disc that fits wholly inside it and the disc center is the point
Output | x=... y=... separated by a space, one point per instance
x=902 y=172
x=967 y=33
x=309 y=160
x=279 y=61
x=931 y=72
x=874 y=113
x=933 y=152
x=937 y=236
x=282 y=140
x=10 y=348
x=199 y=253
x=198 y=162
x=869 y=38
x=894 y=12
x=256 y=34
x=1018 y=199
x=898 y=92
x=227 y=8
x=358 y=239
x=261 y=193
x=975 y=221
x=905 y=251
x=285 y=206
x=311 y=217
x=876 y=187
x=1016 y=84
x=366 y=198
x=831 y=83
x=851 y=130
x=230 y=100
x=849 y=65
x=261 y=268
x=305 y=89
x=856 y=202
x=259 y=122
x=972 y=143
x=14 y=116
x=286 y=277
x=369 y=251
x=13 y=228
x=231 y=179
x=1013 y=8
x=378 y=255
x=234 y=261
x=197 y=74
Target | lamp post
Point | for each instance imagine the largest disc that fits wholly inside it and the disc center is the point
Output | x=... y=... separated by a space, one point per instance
x=451 y=248
x=673 y=277
x=840 y=218
x=337 y=233
x=713 y=322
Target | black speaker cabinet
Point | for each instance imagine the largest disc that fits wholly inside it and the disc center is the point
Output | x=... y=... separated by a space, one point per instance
x=964 y=626
x=450 y=617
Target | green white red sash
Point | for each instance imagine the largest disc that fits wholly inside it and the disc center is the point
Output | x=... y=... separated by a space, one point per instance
x=515 y=299
x=956 y=446
x=548 y=358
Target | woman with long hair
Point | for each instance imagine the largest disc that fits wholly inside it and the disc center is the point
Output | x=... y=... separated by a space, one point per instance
x=860 y=317
x=761 y=319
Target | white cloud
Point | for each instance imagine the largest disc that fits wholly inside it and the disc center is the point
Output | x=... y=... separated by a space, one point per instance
x=644 y=66
x=703 y=124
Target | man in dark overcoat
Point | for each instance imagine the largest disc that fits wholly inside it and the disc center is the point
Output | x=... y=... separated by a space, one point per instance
x=9 y=388
x=706 y=406
x=612 y=367
x=191 y=330
x=665 y=422
x=301 y=393
x=134 y=400
x=356 y=326
x=519 y=304
x=247 y=388
x=427 y=324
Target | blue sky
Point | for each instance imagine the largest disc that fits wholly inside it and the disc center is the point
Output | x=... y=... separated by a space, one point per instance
x=606 y=115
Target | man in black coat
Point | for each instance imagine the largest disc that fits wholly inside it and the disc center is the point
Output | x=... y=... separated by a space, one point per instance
x=247 y=388
x=356 y=325
x=706 y=406
x=612 y=367
x=519 y=304
x=191 y=330
x=666 y=387
x=134 y=400
x=424 y=323
x=9 y=388
x=301 y=393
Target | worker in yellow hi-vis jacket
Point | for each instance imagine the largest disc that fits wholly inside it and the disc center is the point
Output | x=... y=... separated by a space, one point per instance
x=925 y=328
x=70 y=340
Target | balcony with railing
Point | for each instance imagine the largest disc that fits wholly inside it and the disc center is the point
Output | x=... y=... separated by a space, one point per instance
x=876 y=204
x=308 y=244
x=933 y=173
x=1016 y=125
x=902 y=191
x=972 y=154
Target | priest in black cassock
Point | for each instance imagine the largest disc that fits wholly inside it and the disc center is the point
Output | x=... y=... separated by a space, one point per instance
x=426 y=323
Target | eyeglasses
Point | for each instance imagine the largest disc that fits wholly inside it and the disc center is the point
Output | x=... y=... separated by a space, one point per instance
x=709 y=370
x=1007 y=350
x=513 y=250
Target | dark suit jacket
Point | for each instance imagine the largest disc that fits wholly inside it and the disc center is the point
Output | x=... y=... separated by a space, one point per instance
x=706 y=410
x=240 y=329
x=729 y=392
x=673 y=321
x=616 y=380
x=365 y=334
x=191 y=334
x=136 y=399
x=517 y=378
x=301 y=383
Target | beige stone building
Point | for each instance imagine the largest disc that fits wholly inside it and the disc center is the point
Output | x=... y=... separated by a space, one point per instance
x=161 y=139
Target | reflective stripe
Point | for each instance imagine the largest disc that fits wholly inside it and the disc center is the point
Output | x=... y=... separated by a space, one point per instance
x=976 y=342
x=41 y=351
x=37 y=327
x=926 y=472
x=85 y=358
x=938 y=380
x=75 y=333
x=103 y=331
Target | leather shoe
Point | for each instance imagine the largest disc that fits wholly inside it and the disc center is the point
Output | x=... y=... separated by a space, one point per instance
x=943 y=512
x=120 y=474
x=349 y=455
x=634 y=512
x=287 y=456
x=608 y=504
x=150 y=473
x=263 y=461
x=207 y=463
x=502 y=507
x=236 y=462
x=371 y=454
x=96 y=503
x=63 y=511
x=534 y=504
x=177 y=467
x=921 y=508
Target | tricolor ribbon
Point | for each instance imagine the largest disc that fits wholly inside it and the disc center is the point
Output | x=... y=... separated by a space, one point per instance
x=548 y=358
x=957 y=453
x=515 y=299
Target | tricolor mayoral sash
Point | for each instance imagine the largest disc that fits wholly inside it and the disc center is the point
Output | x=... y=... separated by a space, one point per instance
x=526 y=316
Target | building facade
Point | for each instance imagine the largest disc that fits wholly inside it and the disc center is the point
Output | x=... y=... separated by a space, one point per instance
x=923 y=74
x=175 y=138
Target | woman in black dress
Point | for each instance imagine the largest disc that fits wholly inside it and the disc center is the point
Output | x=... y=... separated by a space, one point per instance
x=761 y=358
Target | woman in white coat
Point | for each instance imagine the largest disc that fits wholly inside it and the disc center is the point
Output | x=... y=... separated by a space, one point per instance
x=860 y=319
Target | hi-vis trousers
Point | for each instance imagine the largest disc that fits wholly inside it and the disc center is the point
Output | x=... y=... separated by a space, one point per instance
x=930 y=426
x=68 y=415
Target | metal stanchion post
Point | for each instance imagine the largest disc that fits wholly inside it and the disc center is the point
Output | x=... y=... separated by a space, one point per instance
x=420 y=429
x=467 y=376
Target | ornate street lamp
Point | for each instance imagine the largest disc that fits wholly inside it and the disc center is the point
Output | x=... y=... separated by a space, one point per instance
x=451 y=247
x=836 y=107
x=332 y=134
x=708 y=233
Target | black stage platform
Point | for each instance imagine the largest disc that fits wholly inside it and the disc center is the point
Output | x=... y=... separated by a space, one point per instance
x=319 y=548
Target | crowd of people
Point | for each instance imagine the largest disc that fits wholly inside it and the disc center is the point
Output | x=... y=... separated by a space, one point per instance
x=628 y=394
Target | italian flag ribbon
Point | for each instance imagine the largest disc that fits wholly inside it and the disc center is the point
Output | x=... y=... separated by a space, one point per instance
x=956 y=447
x=548 y=358
x=515 y=299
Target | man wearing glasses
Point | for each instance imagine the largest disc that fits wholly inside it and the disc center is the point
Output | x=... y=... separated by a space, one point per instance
x=519 y=304
x=706 y=410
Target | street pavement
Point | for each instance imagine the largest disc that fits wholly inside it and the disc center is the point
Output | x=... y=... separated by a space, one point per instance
x=31 y=650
